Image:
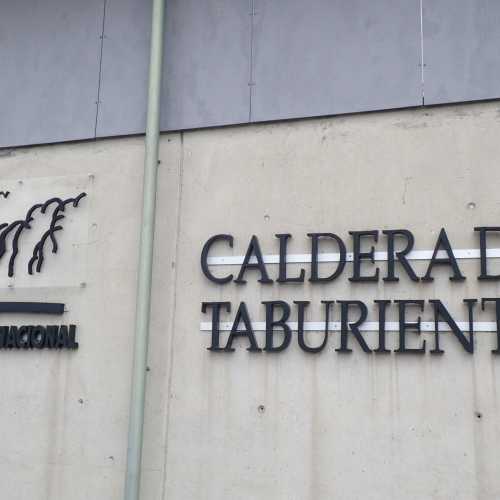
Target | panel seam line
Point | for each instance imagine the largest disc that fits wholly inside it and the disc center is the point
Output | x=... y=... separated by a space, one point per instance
x=173 y=319
x=422 y=63
x=98 y=101
x=251 y=83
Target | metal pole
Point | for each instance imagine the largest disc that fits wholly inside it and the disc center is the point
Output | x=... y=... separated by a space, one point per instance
x=143 y=301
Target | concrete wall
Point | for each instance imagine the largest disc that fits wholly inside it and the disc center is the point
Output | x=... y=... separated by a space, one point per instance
x=256 y=425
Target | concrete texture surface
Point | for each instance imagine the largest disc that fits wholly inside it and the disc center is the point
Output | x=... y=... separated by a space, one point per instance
x=259 y=425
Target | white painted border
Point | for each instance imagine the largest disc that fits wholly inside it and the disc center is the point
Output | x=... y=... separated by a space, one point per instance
x=368 y=326
x=304 y=258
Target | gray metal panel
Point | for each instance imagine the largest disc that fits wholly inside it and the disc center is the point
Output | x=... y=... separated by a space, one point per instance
x=332 y=56
x=207 y=63
x=49 y=60
x=461 y=50
x=125 y=62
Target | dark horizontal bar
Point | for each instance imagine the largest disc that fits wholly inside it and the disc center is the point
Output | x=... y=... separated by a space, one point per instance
x=32 y=307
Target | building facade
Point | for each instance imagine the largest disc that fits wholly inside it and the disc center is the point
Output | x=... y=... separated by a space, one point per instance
x=365 y=396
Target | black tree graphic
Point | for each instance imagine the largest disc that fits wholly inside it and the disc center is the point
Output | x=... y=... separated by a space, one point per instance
x=17 y=227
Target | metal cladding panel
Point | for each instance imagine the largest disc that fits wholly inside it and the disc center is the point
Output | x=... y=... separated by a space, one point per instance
x=207 y=63
x=235 y=61
x=206 y=70
x=461 y=50
x=125 y=63
x=326 y=57
x=49 y=60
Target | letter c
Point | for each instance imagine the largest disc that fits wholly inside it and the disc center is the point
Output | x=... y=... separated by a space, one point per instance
x=204 y=257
